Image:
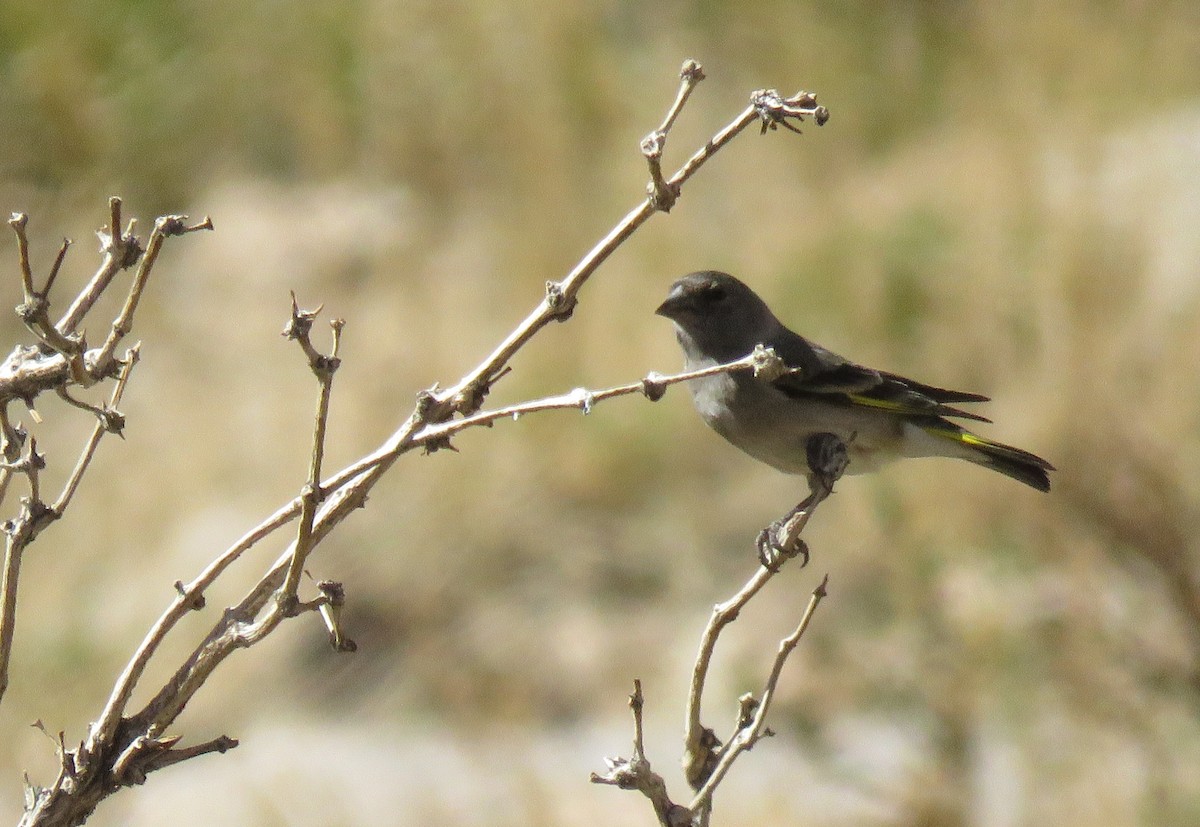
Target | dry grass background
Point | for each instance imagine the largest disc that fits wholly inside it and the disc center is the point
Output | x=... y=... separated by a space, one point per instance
x=1006 y=199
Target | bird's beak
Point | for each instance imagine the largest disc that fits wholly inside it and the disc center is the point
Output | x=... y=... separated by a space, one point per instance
x=675 y=303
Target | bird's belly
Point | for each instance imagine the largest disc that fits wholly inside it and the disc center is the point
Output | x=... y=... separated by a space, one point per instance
x=775 y=428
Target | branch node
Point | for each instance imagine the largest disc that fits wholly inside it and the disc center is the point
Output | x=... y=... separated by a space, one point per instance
x=692 y=72
x=170 y=225
x=561 y=305
x=662 y=193
x=584 y=399
x=426 y=409
x=125 y=248
x=653 y=386
x=767 y=365
x=195 y=601
x=747 y=707
x=774 y=110
x=301 y=321
x=822 y=589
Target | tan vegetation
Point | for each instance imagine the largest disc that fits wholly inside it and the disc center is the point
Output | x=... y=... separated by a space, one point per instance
x=1005 y=201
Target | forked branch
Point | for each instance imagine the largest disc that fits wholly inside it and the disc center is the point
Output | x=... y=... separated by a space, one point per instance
x=124 y=745
x=57 y=362
x=706 y=758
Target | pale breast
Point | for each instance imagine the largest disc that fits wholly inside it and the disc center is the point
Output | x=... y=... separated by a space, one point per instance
x=774 y=428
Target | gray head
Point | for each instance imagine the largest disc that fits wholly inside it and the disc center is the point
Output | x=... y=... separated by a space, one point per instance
x=717 y=316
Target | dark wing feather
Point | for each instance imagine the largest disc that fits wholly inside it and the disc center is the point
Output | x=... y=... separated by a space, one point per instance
x=818 y=372
x=938 y=394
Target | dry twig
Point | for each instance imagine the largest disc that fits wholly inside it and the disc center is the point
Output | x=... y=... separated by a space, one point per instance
x=706 y=759
x=124 y=745
x=59 y=361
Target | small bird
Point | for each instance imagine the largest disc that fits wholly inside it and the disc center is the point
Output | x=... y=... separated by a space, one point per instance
x=878 y=416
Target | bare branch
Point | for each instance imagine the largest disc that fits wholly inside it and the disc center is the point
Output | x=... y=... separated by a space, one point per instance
x=699 y=741
x=635 y=773
x=122 y=747
x=109 y=422
x=466 y=396
x=164 y=227
x=705 y=760
x=58 y=261
x=347 y=490
x=189 y=597
x=652 y=386
x=168 y=757
x=18 y=222
x=34 y=310
x=323 y=367
x=59 y=360
x=121 y=250
x=752 y=726
x=661 y=193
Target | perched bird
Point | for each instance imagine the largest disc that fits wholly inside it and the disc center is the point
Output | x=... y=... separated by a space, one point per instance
x=878 y=416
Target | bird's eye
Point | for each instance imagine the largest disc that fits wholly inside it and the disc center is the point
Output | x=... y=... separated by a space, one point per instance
x=714 y=293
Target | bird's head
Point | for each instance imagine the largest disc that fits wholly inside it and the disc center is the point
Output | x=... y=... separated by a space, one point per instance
x=716 y=316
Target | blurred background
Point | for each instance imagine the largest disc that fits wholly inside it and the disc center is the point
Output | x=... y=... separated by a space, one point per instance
x=1006 y=200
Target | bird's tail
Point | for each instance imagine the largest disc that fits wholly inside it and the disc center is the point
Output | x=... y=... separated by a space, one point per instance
x=1012 y=462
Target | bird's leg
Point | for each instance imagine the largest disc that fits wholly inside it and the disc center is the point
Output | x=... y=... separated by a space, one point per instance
x=827 y=461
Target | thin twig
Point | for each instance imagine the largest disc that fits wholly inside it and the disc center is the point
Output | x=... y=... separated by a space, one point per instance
x=34 y=310
x=635 y=773
x=466 y=396
x=652 y=386
x=18 y=222
x=121 y=250
x=33 y=516
x=8 y=604
x=188 y=597
x=750 y=733
x=827 y=461
x=698 y=739
x=323 y=367
x=58 y=261
x=173 y=756
x=255 y=616
x=164 y=227
x=103 y=426
x=661 y=193
x=329 y=604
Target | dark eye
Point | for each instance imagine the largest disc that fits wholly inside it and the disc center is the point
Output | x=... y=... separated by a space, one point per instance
x=714 y=294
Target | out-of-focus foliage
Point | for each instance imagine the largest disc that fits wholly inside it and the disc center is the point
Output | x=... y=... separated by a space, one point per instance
x=1005 y=200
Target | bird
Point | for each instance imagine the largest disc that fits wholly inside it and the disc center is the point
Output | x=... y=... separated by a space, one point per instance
x=878 y=416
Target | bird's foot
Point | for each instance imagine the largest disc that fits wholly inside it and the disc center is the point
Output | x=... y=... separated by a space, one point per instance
x=828 y=458
x=780 y=541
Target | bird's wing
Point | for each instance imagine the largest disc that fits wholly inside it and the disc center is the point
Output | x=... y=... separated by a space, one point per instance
x=817 y=372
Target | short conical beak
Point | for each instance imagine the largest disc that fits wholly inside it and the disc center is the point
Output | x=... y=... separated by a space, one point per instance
x=675 y=302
